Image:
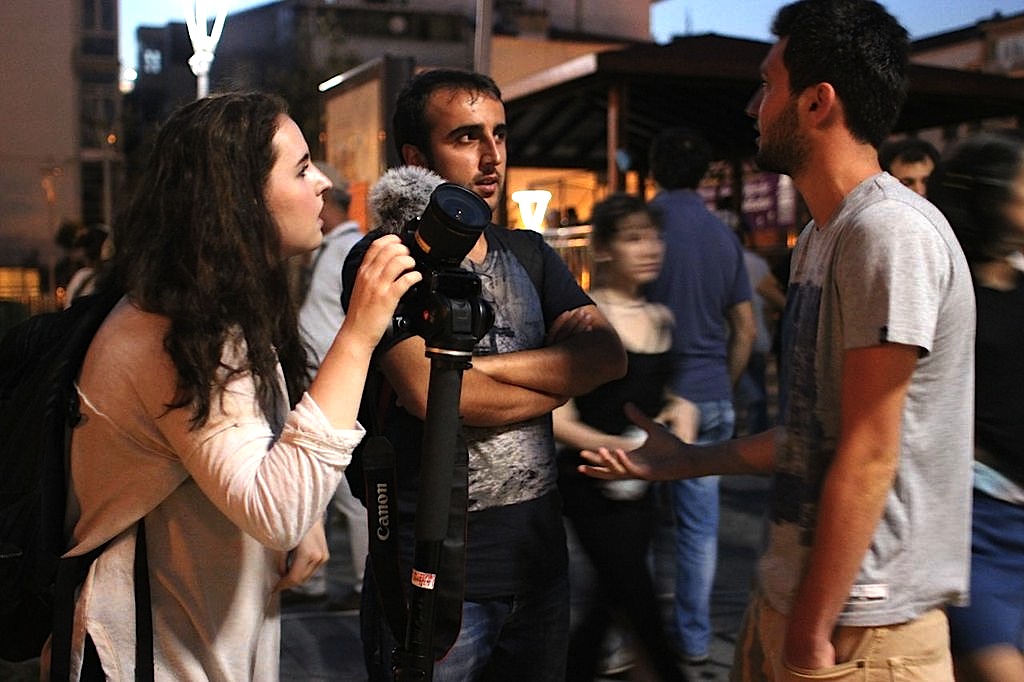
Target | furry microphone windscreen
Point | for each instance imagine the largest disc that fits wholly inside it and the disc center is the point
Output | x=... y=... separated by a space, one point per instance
x=400 y=195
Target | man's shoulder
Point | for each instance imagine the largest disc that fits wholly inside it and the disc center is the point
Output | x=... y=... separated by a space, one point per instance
x=528 y=248
x=506 y=237
x=698 y=236
x=888 y=210
x=688 y=209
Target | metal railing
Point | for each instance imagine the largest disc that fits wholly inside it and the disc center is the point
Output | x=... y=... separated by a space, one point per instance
x=573 y=245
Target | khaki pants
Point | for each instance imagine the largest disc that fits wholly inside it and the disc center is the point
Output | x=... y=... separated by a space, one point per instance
x=915 y=651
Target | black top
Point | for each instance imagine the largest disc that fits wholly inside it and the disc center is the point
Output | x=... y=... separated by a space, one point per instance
x=999 y=379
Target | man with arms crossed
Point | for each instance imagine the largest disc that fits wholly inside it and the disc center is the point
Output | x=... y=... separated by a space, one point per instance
x=869 y=532
x=548 y=342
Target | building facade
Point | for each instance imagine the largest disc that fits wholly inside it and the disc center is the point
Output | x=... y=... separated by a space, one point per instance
x=993 y=45
x=60 y=151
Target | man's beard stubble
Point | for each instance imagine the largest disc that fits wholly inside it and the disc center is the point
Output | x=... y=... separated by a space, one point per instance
x=782 y=148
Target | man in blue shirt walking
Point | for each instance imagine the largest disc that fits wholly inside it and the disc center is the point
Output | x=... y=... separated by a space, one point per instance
x=705 y=283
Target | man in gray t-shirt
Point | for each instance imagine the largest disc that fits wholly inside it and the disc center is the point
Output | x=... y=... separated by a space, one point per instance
x=886 y=269
x=869 y=523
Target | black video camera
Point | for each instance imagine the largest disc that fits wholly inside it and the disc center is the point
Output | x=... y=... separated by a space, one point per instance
x=445 y=308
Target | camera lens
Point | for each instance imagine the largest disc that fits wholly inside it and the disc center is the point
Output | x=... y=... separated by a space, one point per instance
x=462 y=205
x=451 y=224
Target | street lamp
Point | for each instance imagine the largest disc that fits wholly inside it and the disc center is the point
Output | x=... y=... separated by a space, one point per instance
x=203 y=44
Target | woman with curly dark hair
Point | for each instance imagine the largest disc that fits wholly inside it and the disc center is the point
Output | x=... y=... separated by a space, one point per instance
x=198 y=416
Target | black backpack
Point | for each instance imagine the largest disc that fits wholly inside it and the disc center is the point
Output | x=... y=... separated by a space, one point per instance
x=39 y=362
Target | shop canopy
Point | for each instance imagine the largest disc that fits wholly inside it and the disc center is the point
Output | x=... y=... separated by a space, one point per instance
x=600 y=111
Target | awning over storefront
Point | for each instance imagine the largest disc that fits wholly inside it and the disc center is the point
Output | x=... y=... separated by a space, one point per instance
x=600 y=111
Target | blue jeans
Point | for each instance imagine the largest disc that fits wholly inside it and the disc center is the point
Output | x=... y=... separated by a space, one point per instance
x=995 y=615
x=513 y=638
x=695 y=508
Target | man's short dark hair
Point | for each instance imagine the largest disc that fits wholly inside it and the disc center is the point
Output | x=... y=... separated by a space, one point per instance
x=679 y=158
x=906 y=150
x=857 y=47
x=409 y=124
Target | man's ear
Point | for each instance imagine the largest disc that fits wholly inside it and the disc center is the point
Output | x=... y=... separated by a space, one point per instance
x=821 y=100
x=412 y=156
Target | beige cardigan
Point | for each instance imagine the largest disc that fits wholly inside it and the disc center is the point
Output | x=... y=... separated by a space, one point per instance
x=221 y=503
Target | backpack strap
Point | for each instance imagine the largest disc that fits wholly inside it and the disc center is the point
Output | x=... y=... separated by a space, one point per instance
x=71 y=573
x=144 y=666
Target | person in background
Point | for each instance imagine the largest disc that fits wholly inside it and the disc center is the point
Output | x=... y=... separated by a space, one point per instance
x=910 y=160
x=979 y=187
x=750 y=395
x=769 y=300
x=92 y=250
x=614 y=521
x=320 y=317
x=548 y=342
x=197 y=412
x=868 y=533
x=705 y=285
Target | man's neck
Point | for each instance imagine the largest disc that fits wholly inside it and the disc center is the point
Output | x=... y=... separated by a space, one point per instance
x=479 y=251
x=830 y=177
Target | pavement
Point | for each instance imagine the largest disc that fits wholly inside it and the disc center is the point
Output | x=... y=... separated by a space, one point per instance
x=322 y=645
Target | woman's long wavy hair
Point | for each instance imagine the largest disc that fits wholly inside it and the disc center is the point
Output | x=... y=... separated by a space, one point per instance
x=198 y=245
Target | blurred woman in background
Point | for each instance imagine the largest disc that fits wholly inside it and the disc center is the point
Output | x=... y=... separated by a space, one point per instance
x=980 y=189
x=614 y=521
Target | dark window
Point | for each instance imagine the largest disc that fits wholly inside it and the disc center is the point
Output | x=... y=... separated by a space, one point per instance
x=99 y=46
x=92 y=192
x=98 y=119
x=99 y=15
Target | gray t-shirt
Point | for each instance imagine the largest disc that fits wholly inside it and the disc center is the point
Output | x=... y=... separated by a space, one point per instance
x=886 y=269
x=321 y=315
x=511 y=463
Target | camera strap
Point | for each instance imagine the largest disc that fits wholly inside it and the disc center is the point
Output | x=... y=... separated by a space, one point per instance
x=381 y=481
x=382 y=525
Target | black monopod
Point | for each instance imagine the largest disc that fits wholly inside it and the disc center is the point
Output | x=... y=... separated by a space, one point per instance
x=447 y=311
